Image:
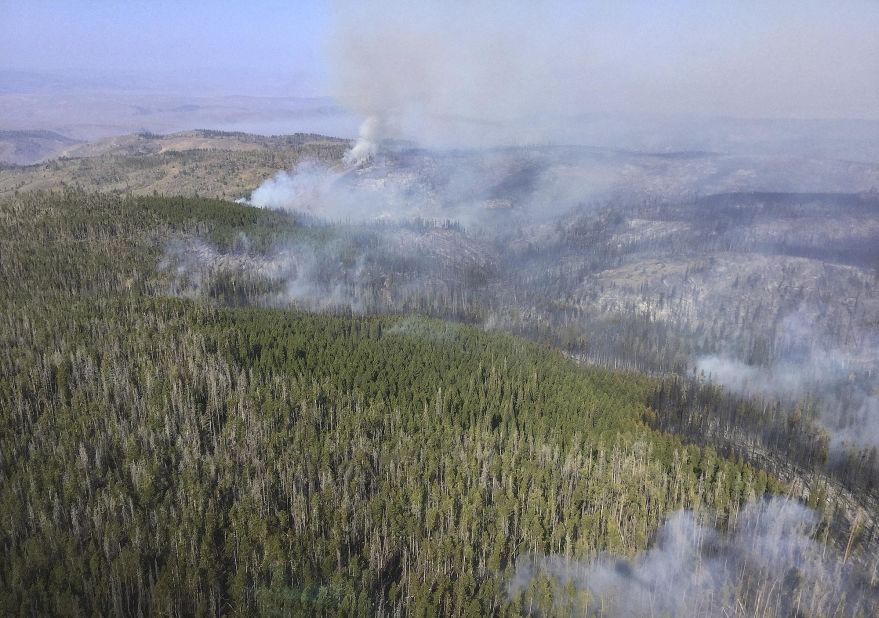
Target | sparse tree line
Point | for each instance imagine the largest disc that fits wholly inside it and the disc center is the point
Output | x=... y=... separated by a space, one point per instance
x=216 y=172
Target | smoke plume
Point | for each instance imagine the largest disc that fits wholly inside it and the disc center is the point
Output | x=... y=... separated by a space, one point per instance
x=454 y=74
x=366 y=146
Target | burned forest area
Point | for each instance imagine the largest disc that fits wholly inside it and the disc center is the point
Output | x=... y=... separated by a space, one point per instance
x=439 y=309
x=493 y=398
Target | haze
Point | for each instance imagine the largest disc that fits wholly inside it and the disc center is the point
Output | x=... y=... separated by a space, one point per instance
x=442 y=73
x=439 y=308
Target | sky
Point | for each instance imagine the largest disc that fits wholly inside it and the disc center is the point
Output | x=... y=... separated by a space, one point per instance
x=785 y=58
x=257 y=47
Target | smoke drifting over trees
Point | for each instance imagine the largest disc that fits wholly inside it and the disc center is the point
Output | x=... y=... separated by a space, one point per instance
x=655 y=243
x=772 y=563
x=840 y=384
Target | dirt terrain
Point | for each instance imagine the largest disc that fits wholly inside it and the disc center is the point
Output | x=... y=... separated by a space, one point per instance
x=206 y=163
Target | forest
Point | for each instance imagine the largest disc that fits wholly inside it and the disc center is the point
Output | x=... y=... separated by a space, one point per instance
x=462 y=309
x=206 y=453
x=700 y=292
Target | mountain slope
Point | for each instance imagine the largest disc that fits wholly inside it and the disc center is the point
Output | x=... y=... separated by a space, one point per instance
x=28 y=147
x=166 y=456
x=212 y=163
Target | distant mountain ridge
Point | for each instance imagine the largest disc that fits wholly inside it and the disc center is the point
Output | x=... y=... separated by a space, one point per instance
x=28 y=147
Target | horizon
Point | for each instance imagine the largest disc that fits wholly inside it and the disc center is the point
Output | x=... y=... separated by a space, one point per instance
x=791 y=78
x=432 y=63
x=581 y=314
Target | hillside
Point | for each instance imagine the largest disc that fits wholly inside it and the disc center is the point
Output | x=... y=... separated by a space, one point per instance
x=207 y=163
x=170 y=456
x=28 y=147
x=186 y=456
x=577 y=315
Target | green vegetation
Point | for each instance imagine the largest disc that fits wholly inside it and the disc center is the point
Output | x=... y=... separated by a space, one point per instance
x=166 y=456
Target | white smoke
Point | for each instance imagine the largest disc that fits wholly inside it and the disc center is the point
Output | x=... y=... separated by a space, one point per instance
x=474 y=188
x=455 y=74
x=820 y=377
x=771 y=563
x=787 y=378
x=302 y=274
x=367 y=144
x=343 y=195
x=293 y=190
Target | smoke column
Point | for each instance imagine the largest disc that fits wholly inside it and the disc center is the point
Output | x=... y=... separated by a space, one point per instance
x=455 y=74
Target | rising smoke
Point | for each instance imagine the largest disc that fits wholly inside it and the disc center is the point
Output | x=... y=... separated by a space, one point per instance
x=454 y=74
x=367 y=143
x=486 y=189
x=468 y=110
x=447 y=76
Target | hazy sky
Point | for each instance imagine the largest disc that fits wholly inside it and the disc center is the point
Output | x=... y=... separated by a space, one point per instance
x=268 y=45
x=779 y=58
